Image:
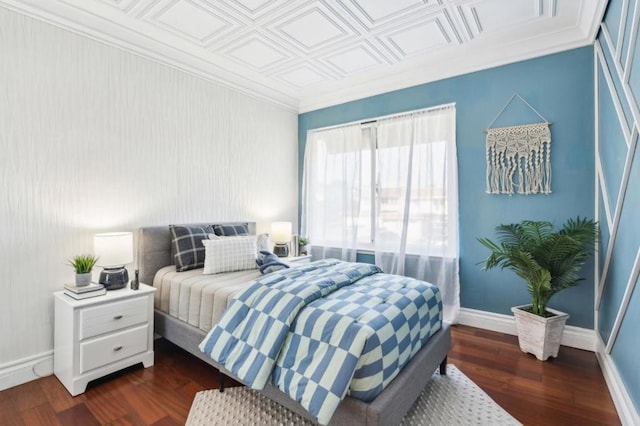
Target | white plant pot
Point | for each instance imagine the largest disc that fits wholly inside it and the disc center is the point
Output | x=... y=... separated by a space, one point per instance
x=537 y=335
x=83 y=280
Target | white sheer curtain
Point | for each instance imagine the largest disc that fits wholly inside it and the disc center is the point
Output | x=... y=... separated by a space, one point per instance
x=388 y=187
x=332 y=185
x=417 y=217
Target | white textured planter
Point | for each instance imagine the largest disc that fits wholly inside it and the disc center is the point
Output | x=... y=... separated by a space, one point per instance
x=537 y=335
x=83 y=280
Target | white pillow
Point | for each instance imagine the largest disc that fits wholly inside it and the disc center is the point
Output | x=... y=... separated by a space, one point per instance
x=263 y=241
x=229 y=254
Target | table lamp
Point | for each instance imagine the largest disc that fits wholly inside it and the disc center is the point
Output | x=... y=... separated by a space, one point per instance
x=114 y=251
x=281 y=235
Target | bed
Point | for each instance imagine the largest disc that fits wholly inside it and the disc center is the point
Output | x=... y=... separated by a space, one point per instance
x=188 y=330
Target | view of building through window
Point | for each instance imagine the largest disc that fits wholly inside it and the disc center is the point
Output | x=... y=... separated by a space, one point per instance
x=375 y=190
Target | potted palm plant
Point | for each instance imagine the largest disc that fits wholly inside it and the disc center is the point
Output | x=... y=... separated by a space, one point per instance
x=82 y=265
x=549 y=261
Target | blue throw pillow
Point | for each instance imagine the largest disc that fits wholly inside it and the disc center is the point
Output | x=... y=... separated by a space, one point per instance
x=268 y=262
x=231 y=230
x=186 y=246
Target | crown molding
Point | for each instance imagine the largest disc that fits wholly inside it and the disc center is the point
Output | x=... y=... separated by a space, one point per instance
x=101 y=29
x=473 y=52
x=478 y=55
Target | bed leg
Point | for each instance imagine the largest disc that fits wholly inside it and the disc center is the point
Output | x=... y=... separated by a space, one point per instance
x=443 y=367
x=221 y=380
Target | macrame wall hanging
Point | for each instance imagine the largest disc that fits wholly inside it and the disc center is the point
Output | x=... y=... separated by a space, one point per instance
x=519 y=157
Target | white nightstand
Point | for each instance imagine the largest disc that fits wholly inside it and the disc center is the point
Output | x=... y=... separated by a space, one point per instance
x=297 y=260
x=100 y=335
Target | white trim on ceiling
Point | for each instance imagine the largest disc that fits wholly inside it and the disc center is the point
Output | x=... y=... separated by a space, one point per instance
x=85 y=24
x=421 y=73
x=130 y=25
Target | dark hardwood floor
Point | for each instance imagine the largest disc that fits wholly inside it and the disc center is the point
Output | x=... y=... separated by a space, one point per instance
x=568 y=390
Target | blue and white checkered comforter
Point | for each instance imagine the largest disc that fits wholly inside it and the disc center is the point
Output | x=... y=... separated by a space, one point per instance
x=325 y=329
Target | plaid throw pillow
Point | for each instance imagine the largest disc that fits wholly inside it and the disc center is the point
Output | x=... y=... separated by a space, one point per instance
x=186 y=244
x=231 y=230
x=229 y=254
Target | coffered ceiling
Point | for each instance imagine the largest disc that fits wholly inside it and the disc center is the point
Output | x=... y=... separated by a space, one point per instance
x=308 y=54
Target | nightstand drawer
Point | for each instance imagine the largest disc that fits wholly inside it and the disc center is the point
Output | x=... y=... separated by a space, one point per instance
x=113 y=316
x=112 y=348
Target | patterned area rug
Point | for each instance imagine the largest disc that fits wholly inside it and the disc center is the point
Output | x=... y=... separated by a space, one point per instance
x=450 y=400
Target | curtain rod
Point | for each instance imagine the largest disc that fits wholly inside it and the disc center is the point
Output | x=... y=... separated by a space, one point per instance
x=383 y=117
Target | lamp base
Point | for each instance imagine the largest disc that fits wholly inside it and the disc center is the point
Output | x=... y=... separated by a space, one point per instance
x=114 y=278
x=281 y=250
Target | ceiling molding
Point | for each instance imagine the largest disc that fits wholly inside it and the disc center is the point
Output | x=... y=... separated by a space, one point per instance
x=103 y=30
x=309 y=54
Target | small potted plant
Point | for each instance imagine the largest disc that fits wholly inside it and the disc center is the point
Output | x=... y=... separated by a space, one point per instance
x=549 y=261
x=83 y=264
x=303 y=245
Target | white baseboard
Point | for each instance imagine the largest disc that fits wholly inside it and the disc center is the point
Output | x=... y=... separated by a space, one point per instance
x=575 y=337
x=621 y=399
x=26 y=369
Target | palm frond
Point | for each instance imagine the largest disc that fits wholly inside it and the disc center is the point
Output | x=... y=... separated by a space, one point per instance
x=548 y=260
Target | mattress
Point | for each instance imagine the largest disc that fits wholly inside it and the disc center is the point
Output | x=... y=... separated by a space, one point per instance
x=195 y=298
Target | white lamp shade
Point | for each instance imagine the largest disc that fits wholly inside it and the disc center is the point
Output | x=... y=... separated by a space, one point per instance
x=113 y=249
x=281 y=232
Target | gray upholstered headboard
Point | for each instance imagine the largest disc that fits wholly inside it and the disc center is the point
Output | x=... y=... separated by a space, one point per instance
x=154 y=247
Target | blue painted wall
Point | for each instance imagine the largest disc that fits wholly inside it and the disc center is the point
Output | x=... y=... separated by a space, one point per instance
x=621 y=246
x=561 y=88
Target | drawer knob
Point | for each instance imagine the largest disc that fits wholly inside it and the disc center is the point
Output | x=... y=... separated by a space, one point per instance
x=117 y=317
x=117 y=348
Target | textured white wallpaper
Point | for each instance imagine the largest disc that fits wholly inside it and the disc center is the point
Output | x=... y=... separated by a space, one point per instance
x=95 y=139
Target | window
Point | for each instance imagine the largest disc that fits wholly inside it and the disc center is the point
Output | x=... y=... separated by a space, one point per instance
x=370 y=186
